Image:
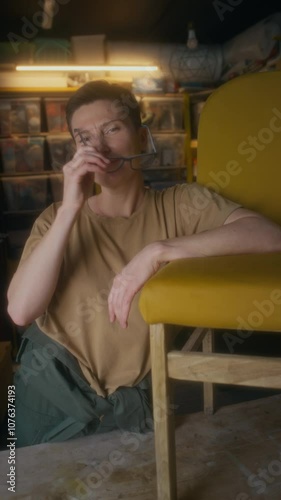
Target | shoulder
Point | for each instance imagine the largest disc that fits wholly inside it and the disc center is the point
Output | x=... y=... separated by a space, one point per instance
x=47 y=217
x=39 y=228
x=170 y=193
x=180 y=192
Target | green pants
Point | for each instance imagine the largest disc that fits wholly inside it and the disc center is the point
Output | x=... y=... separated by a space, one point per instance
x=54 y=401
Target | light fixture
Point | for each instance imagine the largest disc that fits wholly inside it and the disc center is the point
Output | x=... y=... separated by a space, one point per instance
x=48 y=13
x=86 y=68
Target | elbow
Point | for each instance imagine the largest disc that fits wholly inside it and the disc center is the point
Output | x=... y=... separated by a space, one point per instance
x=17 y=315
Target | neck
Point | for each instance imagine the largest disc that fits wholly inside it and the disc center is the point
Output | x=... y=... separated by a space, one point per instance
x=118 y=202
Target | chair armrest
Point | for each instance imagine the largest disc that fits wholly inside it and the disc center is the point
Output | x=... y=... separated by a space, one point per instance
x=216 y=292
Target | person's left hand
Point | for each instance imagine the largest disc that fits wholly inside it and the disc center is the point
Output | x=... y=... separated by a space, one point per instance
x=127 y=283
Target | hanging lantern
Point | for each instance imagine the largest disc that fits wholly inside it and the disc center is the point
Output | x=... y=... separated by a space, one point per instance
x=195 y=63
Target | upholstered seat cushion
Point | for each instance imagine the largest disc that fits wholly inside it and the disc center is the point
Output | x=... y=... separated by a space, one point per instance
x=235 y=292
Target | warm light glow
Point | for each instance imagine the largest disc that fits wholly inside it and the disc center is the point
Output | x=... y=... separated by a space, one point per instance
x=86 y=68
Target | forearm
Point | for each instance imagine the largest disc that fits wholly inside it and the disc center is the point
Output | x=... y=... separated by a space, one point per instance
x=246 y=235
x=34 y=283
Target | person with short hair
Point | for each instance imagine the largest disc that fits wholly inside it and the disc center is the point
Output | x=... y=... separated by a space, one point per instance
x=84 y=359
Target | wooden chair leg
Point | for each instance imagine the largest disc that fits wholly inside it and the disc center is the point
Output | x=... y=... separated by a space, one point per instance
x=195 y=340
x=163 y=416
x=208 y=388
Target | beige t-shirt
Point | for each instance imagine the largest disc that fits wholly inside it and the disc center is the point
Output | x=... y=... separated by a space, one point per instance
x=98 y=248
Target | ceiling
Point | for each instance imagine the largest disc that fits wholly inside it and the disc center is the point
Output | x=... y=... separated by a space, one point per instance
x=215 y=21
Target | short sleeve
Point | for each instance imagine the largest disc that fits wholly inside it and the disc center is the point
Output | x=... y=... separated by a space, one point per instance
x=201 y=209
x=39 y=228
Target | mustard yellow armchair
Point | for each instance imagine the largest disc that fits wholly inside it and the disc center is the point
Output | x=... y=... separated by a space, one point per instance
x=239 y=156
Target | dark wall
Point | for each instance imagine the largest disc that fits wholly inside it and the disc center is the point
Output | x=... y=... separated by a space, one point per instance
x=140 y=20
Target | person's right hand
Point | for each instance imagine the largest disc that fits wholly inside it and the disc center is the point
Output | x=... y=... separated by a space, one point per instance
x=79 y=176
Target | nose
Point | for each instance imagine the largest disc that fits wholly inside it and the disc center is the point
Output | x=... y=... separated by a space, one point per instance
x=98 y=142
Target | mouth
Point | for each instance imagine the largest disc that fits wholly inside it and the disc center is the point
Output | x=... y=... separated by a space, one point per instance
x=115 y=164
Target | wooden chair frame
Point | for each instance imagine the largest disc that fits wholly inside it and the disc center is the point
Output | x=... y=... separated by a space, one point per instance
x=207 y=367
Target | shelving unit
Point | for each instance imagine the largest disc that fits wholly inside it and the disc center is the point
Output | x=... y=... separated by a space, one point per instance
x=22 y=204
x=169 y=120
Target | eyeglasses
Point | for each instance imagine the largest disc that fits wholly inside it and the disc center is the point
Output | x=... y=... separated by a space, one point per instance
x=118 y=161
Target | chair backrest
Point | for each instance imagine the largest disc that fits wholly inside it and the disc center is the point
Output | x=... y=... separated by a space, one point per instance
x=239 y=142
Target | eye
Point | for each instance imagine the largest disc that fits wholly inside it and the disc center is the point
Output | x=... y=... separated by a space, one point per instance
x=112 y=129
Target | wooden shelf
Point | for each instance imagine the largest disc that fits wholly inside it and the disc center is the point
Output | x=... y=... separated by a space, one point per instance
x=22 y=212
x=31 y=90
x=27 y=174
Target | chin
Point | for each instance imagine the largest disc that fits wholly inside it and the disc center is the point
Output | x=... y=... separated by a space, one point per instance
x=112 y=179
x=109 y=180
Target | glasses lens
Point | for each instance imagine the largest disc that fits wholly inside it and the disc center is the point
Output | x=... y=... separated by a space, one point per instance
x=145 y=160
x=115 y=164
